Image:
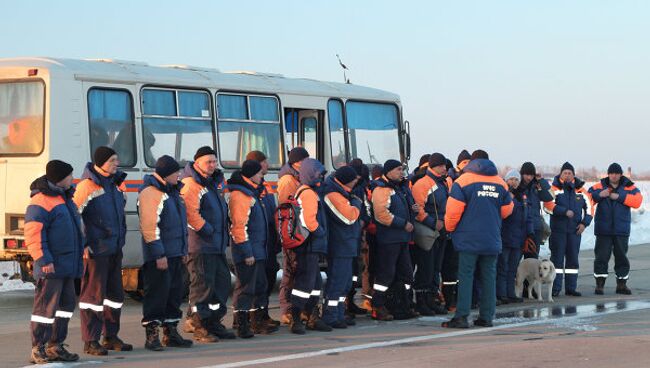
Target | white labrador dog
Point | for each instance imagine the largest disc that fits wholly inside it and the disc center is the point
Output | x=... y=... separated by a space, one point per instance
x=538 y=272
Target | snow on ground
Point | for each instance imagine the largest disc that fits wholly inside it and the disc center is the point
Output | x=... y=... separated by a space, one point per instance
x=640 y=235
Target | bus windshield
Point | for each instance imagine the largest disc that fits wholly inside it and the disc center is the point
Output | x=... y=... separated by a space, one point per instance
x=21 y=118
x=373 y=129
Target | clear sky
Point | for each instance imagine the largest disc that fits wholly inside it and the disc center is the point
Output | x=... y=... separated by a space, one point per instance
x=546 y=81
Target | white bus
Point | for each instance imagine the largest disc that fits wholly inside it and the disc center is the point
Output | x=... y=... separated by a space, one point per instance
x=64 y=109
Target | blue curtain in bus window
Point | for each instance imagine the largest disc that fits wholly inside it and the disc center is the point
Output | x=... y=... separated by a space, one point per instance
x=194 y=104
x=337 y=134
x=110 y=115
x=232 y=107
x=264 y=108
x=158 y=102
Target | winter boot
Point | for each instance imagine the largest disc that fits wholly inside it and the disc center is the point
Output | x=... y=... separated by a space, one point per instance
x=421 y=305
x=434 y=303
x=267 y=318
x=217 y=329
x=243 y=325
x=201 y=332
x=153 y=340
x=260 y=325
x=94 y=348
x=171 y=337
x=188 y=327
x=58 y=352
x=315 y=323
x=115 y=343
x=381 y=314
x=295 y=324
x=38 y=355
x=456 y=322
x=600 y=286
x=621 y=287
x=480 y=322
x=352 y=308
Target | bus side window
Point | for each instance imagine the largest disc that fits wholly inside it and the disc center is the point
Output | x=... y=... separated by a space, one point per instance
x=110 y=115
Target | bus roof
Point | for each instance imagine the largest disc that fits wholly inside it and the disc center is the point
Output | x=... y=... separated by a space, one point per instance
x=122 y=71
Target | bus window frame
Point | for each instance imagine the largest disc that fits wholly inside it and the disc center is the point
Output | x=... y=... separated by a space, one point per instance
x=247 y=94
x=174 y=89
x=135 y=139
x=399 y=120
x=45 y=95
x=346 y=138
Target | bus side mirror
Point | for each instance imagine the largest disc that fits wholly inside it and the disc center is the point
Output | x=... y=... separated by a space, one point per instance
x=407 y=140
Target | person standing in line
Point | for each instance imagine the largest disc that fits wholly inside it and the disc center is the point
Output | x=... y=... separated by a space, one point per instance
x=54 y=239
x=207 y=217
x=614 y=197
x=101 y=199
x=538 y=190
x=163 y=225
x=571 y=213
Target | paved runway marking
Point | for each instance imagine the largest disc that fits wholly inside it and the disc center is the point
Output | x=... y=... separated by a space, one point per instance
x=382 y=344
x=63 y=365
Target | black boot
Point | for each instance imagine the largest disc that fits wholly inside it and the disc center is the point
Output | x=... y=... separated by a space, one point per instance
x=456 y=322
x=259 y=325
x=421 y=305
x=243 y=325
x=94 y=348
x=295 y=324
x=267 y=318
x=58 y=352
x=621 y=287
x=352 y=308
x=434 y=304
x=115 y=343
x=218 y=329
x=153 y=340
x=381 y=314
x=171 y=337
x=201 y=331
x=315 y=323
x=600 y=286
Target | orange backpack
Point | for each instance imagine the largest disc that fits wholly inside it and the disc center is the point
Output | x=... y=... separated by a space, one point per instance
x=291 y=232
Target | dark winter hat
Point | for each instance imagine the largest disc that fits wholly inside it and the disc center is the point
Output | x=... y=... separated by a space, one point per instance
x=297 y=154
x=615 y=169
x=250 y=167
x=357 y=165
x=390 y=165
x=57 y=170
x=424 y=159
x=464 y=155
x=258 y=156
x=449 y=164
x=345 y=174
x=568 y=166
x=528 y=168
x=437 y=159
x=102 y=154
x=204 y=151
x=479 y=154
x=166 y=165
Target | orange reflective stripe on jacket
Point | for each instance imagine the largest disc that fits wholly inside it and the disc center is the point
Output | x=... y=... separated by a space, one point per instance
x=192 y=192
x=287 y=187
x=421 y=191
x=151 y=202
x=239 y=211
x=381 y=197
x=342 y=208
x=85 y=192
x=34 y=229
x=453 y=213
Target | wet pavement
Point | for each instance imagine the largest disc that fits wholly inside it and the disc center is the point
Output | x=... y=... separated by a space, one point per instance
x=590 y=331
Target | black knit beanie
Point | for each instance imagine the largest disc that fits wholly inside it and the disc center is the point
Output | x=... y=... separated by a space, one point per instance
x=57 y=170
x=567 y=166
x=204 y=151
x=250 y=167
x=166 y=165
x=437 y=159
x=102 y=154
x=389 y=165
x=345 y=174
x=297 y=154
x=615 y=169
x=528 y=168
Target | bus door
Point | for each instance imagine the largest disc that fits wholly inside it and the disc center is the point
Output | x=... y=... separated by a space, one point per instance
x=304 y=127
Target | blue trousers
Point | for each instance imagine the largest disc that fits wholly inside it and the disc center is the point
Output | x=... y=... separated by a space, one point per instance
x=564 y=255
x=467 y=263
x=339 y=282
x=507 y=271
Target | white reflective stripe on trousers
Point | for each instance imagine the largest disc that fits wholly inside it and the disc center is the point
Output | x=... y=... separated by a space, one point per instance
x=41 y=319
x=63 y=314
x=112 y=304
x=379 y=287
x=300 y=294
x=214 y=306
x=603 y=275
x=570 y=271
x=96 y=308
x=332 y=303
